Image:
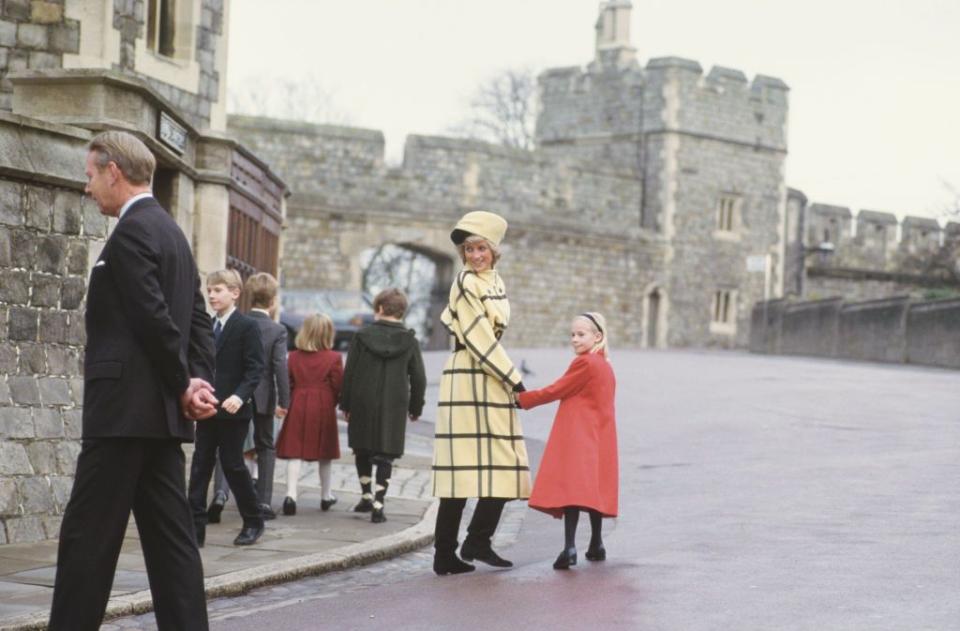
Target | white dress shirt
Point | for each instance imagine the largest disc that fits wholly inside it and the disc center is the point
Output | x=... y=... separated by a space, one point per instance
x=130 y=202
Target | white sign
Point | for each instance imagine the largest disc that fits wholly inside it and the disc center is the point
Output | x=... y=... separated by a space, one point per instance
x=171 y=133
x=757 y=263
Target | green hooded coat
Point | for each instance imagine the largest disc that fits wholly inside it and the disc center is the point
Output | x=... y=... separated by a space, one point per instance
x=383 y=383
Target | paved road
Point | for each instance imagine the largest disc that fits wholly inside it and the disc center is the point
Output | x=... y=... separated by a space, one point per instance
x=756 y=493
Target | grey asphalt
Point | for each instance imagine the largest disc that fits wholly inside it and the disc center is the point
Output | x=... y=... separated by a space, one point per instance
x=756 y=493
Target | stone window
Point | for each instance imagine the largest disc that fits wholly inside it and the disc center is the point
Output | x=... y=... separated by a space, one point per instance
x=728 y=213
x=724 y=318
x=161 y=27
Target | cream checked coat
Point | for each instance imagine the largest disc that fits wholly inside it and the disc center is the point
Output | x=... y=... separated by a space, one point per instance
x=479 y=449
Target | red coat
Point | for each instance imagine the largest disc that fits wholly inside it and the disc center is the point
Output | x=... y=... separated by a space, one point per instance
x=579 y=466
x=309 y=430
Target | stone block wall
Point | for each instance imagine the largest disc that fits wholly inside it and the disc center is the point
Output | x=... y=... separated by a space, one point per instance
x=46 y=235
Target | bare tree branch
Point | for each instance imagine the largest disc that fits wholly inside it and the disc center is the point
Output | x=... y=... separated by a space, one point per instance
x=305 y=99
x=503 y=110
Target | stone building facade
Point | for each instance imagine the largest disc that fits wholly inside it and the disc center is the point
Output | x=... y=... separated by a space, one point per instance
x=73 y=69
x=656 y=194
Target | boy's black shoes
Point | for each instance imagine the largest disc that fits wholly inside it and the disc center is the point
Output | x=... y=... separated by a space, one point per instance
x=289 y=506
x=566 y=559
x=363 y=506
x=377 y=516
x=444 y=564
x=326 y=504
x=201 y=532
x=248 y=536
x=471 y=553
x=216 y=507
x=266 y=512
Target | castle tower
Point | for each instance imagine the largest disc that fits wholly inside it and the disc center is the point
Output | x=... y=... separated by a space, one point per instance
x=613 y=47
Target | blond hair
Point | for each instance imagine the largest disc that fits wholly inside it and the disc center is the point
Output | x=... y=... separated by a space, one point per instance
x=229 y=277
x=316 y=334
x=462 y=248
x=128 y=152
x=598 y=323
x=262 y=289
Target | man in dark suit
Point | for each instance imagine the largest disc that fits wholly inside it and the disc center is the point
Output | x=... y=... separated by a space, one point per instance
x=272 y=396
x=239 y=367
x=148 y=360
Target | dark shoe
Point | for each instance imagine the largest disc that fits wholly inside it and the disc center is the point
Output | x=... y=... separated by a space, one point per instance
x=566 y=559
x=289 y=506
x=488 y=556
x=449 y=564
x=201 y=532
x=216 y=507
x=248 y=536
x=363 y=506
x=266 y=512
x=596 y=553
x=326 y=504
x=377 y=516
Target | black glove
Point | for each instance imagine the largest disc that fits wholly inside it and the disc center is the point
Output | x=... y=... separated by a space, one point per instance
x=519 y=387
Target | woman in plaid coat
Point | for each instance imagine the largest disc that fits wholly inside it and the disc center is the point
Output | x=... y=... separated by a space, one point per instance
x=478 y=448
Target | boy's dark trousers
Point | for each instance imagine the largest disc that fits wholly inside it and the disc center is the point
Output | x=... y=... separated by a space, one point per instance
x=227 y=437
x=486 y=517
x=266 y=460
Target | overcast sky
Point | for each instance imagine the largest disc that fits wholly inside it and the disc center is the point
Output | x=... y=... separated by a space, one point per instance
x=875 y=84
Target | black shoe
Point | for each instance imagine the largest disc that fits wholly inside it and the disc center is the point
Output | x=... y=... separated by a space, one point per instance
x=248 y=536
x=566 y=559
x=216 y=507
x=266 y=512
x=363 y=506
x=201 y=532
x=596 y=553
x=289 y=506
x=326 y=504
x=488 y=556
x=444 y=564
x=377 y=516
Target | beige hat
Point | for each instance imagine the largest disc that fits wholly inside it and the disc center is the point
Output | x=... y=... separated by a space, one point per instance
x=490 y=226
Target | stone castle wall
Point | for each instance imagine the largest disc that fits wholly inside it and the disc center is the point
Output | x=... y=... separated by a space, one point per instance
x=48 y=233
x=38 y=34
x=570 y=227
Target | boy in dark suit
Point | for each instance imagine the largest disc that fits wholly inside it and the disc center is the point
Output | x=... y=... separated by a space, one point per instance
x=383 y=386
x=238 y=370
x=272 y=396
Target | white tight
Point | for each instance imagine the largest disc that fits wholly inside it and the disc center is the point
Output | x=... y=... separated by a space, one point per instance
x=293 y=478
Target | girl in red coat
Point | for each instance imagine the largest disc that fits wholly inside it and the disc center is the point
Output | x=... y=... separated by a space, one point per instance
x=579 y=467
x=309 y=429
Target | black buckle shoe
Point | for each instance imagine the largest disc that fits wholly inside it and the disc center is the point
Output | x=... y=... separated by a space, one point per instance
x=566 y=559
x=596 y=553
x=444 y=564
x=326 y=504
x=470 y=553
x=289 y=506
x=216 y=507
x=248 y=536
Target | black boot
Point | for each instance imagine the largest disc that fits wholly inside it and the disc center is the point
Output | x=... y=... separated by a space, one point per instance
x=470 y=552
x=566 y=559
x=448 y=563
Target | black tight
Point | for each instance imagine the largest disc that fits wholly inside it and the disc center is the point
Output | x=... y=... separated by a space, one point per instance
x=571 y=517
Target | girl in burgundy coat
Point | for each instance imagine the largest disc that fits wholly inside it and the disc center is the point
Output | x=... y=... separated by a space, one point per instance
x=309 y=429
x=579 y=467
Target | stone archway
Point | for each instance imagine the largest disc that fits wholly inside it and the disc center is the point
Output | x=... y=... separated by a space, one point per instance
x=424 y=275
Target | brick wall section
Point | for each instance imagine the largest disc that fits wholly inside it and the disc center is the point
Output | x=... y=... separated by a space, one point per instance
x=34 y=34
x=45 y=237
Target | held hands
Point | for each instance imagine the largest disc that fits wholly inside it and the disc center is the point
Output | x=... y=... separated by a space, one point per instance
x=197 y=401
x=232 y=404
x=414 y=419
x=281 y=412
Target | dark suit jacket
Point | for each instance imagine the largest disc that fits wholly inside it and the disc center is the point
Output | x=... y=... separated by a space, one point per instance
x=239 y=363
x=274 y=386
x=148 y=331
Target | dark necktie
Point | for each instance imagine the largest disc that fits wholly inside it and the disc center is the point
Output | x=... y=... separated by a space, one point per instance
x=217 y=328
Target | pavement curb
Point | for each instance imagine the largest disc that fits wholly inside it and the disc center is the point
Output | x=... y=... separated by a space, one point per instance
x=241 y=581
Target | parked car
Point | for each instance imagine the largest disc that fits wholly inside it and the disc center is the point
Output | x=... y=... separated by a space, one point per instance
x=349 y=310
